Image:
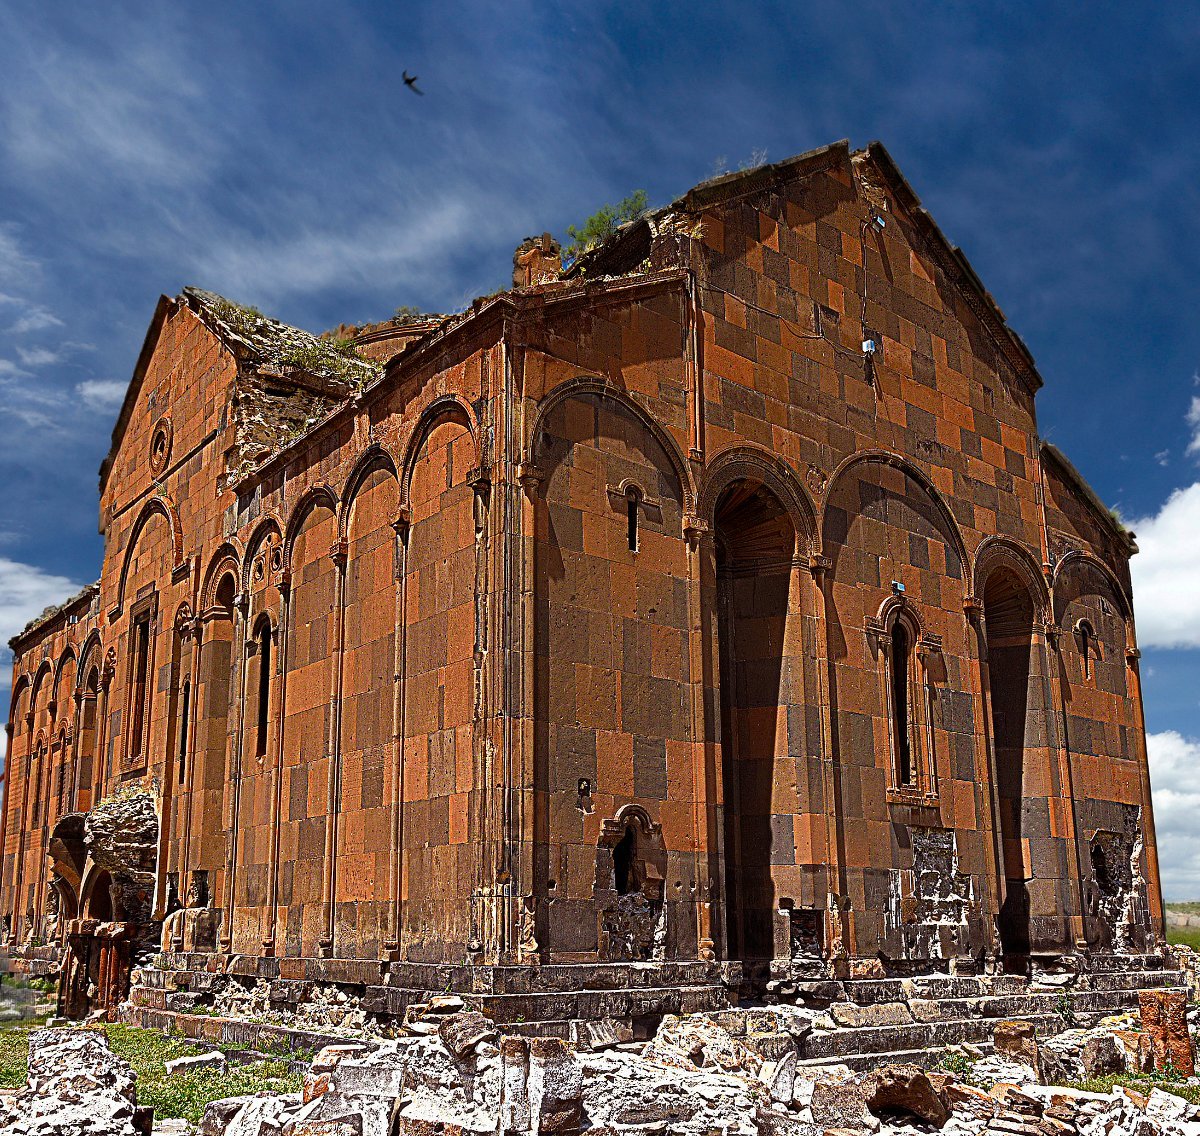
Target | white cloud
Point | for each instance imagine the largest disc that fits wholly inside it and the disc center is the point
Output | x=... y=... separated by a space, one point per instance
x=1164 y=572
x=16 y=265
x=1193 y=421
x=38 y=356
x=25 y=592
x=102 y=394
x=1173 y=763
x=35 y=318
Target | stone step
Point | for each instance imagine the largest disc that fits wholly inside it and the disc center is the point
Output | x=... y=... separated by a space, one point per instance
x=506 y=1009
x=834 y=1045
x=873 y=991
x=1127 y=962
x=860 y=1062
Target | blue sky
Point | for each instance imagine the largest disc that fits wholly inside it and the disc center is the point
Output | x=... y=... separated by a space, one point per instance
x=271 y=153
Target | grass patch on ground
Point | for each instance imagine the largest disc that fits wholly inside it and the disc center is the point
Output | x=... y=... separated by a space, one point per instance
x=184 y=1095
x=1184 y=936
x=1168 y=1080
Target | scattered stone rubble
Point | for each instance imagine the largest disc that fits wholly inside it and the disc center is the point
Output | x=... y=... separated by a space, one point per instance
x=728 y=1073
x=734 y=1073
x=76 y=1087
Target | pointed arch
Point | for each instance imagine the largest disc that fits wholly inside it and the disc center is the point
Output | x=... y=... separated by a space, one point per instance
x=998 y=551
x=89 y=657
x=162 y=506
x=1077 y=561
x=313 y=497
x=585 y=385
x=444 y=407
x=750 y=463
x=39 y=677
x=227 y=559
x=262 y=532
x=896 y=461
x=60 y=667
x=372 y=458
x=19 y=687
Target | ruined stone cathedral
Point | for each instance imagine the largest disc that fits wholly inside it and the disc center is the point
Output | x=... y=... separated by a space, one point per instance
x=704 y=615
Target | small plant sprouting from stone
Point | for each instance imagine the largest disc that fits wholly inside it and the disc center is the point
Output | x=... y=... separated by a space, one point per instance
x=406 y=313
x=604 y=222
x=1065 y=1009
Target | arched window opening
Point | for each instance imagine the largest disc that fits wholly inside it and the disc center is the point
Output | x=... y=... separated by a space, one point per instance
x=60 y=796
x=1087 y=645
x=632 y=504
x=623 y=856
x=185 y=703
x=40 y=758
x=264 y=688
x=141 y=668
x=901 y=720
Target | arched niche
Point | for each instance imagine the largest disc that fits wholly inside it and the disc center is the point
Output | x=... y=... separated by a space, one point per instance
x=368 y=692
x=612 y=697
x=440 y=532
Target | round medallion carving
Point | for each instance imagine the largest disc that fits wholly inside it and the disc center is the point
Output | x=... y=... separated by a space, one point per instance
x=160 y=445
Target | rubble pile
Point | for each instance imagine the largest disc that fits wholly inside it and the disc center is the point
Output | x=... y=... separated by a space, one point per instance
x=76 y=1087
x=733 y=1073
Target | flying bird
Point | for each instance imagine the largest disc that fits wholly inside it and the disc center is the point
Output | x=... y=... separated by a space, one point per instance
x=410 y=81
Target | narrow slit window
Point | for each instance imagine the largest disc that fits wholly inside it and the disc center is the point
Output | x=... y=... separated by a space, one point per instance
x=141 y=667
x=185 y=703
x=631 y=513
x=900 y=724
x=264 y=688
x=1086 y=640
x=622 y=856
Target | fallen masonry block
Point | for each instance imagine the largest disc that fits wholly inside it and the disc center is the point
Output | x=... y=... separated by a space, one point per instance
x=594 y=1036
x=1017 y=1041
x=329 y=1057
x=461 y=1033
x=214 y=1061
x=842 y=1105
x=1164 y=1019
x=360 y=1078
x=555 y=1088
x=906 y=1090
x=779 y=1077
x=219 y=1113
x=514 y=1085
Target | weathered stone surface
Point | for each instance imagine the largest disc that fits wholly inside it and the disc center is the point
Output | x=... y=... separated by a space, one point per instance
x=75 y=1085
x=462 y=1032
x=1164 y=1019
x=1102 y=1055
x=214 y=1061
x=899 y=1090
x=1017 y=1041
x=555 y=1087
x=884 y=1014
x=696 y=1042
x=219 y=1113
x=842 y=1105
x=779 y=1077
x=592 y=1037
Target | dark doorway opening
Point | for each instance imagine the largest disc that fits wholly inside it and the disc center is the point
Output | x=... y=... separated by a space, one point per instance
x=1008 y=615
x=756 y=543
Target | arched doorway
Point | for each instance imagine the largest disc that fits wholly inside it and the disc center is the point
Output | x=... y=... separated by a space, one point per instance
x=756 y=542
x=99 y=899
x=1008 y=618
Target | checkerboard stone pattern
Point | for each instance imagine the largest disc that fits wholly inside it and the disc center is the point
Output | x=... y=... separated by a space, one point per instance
x=636 y=615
